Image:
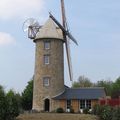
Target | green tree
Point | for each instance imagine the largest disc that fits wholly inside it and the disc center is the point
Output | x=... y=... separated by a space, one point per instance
x=116 y=85
x=13 y=107
x=82 y=82
x=107 y=84
x=27 y=96
x=116 y=88
x=3 y=105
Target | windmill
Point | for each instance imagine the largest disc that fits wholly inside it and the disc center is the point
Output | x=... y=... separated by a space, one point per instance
x=32 y=27
x=66 y=35
x=49 y=42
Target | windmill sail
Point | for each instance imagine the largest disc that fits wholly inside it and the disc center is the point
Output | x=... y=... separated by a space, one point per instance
x=32 y=27
x=66 y=40
x=67 y=36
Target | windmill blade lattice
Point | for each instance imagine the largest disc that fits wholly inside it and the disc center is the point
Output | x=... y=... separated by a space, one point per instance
x=32 y=27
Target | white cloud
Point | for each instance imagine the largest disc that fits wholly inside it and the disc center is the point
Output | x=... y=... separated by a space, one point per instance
x=6 y=39
x=19 y=8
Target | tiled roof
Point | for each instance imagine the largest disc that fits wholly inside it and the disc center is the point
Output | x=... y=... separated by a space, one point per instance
x=82 y=93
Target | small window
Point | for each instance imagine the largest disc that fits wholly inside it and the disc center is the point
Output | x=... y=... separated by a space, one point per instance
x=46 y=59
x=68 y=104
x=88 y=104
x=47 y=45
x=85 y=104
x=46 y=81
x=82 y=104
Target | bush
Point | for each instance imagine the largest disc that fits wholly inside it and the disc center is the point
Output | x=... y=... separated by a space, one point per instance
x=106 y=113
x=116 y=113
x=60 y=110
x=86 y=111
x=97 y=109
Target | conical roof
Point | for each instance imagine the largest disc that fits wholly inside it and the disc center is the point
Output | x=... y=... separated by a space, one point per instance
x=49 y=30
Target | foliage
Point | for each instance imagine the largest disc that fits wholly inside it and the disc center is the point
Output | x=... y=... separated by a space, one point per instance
x=86 y=111
x=60 y=110
x=2 y=104
x=107 y=84
x=97 y=109
x=9 y=105
x=116 y=85
x=106 y=113
x=82 y=82
x=13 y=105
x=116 y=113
x=27 y=96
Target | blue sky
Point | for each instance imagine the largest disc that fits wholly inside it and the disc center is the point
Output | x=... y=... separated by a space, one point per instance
x=94 y=23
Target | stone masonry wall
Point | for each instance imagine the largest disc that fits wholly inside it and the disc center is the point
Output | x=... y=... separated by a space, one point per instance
x=55 y=70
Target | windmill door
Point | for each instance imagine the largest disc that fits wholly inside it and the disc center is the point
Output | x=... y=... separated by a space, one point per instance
x=47 y=105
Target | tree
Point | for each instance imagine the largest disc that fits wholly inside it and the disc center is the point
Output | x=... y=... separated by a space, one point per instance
x=82 y=82
x=116 y=85
x=13 y=107
x=116 y=88
x=27 y=96
x=107 y=84
x=3 y=105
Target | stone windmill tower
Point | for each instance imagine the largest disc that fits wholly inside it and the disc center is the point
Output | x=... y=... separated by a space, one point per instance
x=49 y=60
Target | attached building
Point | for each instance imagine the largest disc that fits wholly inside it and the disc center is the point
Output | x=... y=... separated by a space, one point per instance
x=80 y=98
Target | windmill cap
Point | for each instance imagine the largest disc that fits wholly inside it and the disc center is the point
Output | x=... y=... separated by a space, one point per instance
x=49 y=30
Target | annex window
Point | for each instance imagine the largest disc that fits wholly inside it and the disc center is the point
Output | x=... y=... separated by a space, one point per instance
x=46 y=59
x=88 y=104
x=68 y=104
x=82 y=104
x=46 y=45
x=46 y=81
x=85 y=104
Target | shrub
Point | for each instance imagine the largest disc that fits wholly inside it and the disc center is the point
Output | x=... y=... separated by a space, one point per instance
x=116 y=113
x=60 y=110
x=97 y=109
x=106 y=113
x=86 y=111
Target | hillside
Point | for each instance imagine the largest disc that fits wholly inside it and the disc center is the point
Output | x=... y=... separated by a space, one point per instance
x=55 y=116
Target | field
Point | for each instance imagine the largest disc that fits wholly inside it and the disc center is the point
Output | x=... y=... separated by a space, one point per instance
x=55 y=116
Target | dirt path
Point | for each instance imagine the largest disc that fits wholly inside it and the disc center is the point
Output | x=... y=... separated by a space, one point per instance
x=54 y=116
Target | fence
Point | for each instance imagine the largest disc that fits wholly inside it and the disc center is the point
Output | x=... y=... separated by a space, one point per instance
x=111 y=102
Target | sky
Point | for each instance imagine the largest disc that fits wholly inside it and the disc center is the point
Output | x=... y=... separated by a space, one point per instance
x=94 y=23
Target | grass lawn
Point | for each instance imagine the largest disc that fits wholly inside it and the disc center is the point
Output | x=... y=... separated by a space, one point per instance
x=55 y=116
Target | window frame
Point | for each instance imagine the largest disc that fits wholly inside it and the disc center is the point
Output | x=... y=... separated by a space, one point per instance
x=47 y=45
x=46 y=59
x=85 y=104
x=46 y=83
x=82 y=104
x=68 y=104
x=88 y=104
